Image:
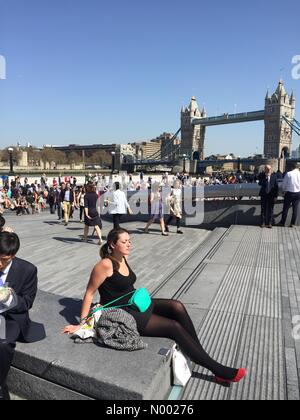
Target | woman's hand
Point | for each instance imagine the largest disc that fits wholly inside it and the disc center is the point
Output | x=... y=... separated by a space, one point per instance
x=71 y=329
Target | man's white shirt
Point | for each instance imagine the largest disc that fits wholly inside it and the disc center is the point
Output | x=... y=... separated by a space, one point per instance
x=291 y=182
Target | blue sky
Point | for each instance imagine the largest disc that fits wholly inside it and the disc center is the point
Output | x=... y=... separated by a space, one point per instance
x=93 y=71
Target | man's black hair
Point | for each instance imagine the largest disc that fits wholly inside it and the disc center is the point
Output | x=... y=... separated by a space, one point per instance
x=117 y=185
x=9 y=244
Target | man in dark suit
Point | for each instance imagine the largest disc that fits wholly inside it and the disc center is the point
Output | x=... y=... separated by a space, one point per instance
x=21 y=276
x=268 y=193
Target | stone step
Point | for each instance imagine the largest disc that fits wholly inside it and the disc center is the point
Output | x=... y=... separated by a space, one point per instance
x=57 y=368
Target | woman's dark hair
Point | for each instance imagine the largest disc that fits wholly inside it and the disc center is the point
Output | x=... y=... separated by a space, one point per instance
x=91 y=188
x=9 y=244
x=117 y=185
x=106 y=250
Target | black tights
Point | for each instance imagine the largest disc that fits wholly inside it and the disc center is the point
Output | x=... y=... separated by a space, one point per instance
x=171 y=320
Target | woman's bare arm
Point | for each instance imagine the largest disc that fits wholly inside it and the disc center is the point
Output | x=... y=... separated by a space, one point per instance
x=99 y=274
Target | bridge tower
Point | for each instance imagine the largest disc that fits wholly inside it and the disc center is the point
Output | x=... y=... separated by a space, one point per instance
x=278 y=134
x=192 y=137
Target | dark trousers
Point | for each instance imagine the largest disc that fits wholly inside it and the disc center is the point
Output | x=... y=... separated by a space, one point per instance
x=81 y=212
x=60 y=212
x=116 y=220
x=290 y=199
x=6 y=357
x=171 y=217
x=267 y=210
x=7 y=348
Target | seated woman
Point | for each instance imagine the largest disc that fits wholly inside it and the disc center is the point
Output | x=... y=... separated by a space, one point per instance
x=113 y=278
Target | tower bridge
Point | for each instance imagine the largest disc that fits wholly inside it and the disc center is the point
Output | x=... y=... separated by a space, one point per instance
x=278 y=116
x=279 y=124
x=279 y=121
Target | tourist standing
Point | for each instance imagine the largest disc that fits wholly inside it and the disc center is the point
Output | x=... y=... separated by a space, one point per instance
x=291 y=188
x=268 y=194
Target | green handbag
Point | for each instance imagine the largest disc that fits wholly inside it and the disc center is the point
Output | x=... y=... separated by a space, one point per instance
x=140 y=299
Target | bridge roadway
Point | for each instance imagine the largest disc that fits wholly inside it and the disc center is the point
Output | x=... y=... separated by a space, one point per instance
x=241 y=287
x=230 y=118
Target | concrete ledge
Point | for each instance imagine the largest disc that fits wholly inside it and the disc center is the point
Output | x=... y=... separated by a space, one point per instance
x=56 y=368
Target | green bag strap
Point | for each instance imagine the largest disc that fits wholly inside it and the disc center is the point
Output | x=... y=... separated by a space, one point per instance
x=115 y=307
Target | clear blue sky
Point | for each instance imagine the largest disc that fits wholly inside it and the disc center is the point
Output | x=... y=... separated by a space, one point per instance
x=94 y=71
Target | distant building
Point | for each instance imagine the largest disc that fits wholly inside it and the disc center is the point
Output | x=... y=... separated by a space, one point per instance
x=148 y=149
x=296 y=153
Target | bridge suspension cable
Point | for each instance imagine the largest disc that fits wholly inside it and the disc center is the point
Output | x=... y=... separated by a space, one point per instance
x=297 y=123
x=294 y=127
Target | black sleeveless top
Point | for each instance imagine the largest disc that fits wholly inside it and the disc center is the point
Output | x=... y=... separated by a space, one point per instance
x=117 y=286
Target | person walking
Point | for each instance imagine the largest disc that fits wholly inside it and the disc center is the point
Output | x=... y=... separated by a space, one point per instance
x=157 y=208
x=51 y=200
x=175 y=203
x=118 y=205
x=59 y=203
x=92 y=218
x=268 y=193
x=80 y=202
x=113 y=278
x=67 y=198
x=291 y=188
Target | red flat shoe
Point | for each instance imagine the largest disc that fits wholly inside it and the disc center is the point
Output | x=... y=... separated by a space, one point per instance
x=239 y=376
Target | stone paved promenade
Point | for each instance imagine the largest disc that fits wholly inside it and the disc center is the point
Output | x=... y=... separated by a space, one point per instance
x=241 y=287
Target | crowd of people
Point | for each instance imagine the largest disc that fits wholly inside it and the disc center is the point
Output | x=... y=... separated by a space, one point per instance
x=63 y=196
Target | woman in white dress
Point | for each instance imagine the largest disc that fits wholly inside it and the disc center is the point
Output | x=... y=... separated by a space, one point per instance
x=156 y=200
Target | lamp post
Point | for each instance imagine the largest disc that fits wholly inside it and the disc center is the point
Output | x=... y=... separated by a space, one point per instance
x=184 y=157
x=113 y=154
x=11 y=163
x=239 y=165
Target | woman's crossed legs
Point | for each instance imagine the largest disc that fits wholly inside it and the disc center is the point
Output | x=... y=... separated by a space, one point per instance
x=171 y=320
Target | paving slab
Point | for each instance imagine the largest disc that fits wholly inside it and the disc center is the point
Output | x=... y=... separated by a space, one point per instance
x=249 y=322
